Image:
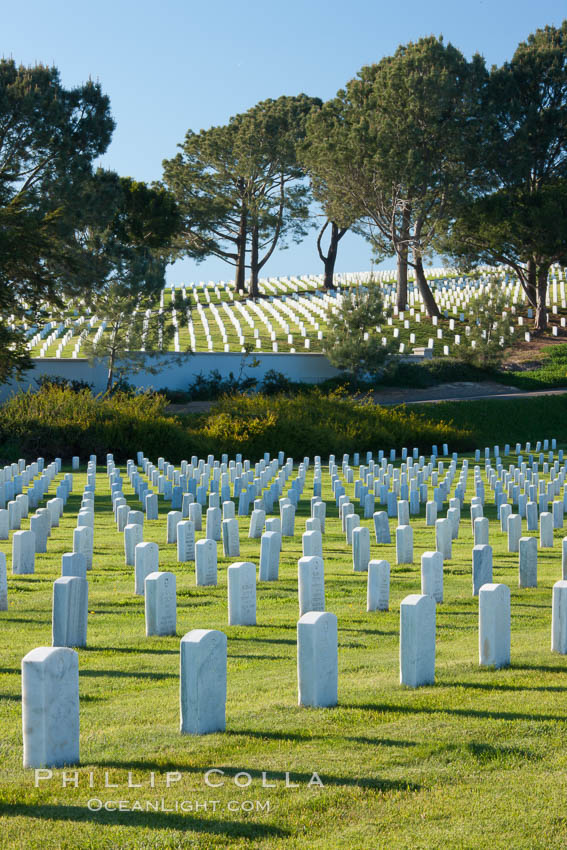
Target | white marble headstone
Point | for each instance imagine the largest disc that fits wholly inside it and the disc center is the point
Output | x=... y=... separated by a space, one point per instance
x=70 y=609
x=528 y=561
x=417 y=640
x=83 y=542
x=494 y=625
x=311 y=584
x=481 y=566
x=133 y=534
x=205 y=562
x=317 y=659
x=559 y=618
x=203 y=682
x=432 y=575
x=270 y=546
x=185 y=541
x=404 y=544
x=146 y=558
x=3 y=583
x=50 y=707
x=312 y=543
x=74 y=564
x=160 y=604
x=230 y=537
x=242 y=594
x=23 y=552
x=378 y=587
x=173 y=520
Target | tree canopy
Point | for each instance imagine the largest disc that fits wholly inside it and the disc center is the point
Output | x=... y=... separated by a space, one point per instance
x=129 y=232
x=49 y=137
x=519 y=218
x=393 y=150
x=240 y=187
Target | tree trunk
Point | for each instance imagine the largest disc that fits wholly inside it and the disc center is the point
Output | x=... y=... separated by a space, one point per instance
x=329 y=272
x=402 y=252
x=331 y=258
x=240 y=276
x=431 y=307
x=112 y=358
x=254 y=269
x=402 y=290
x=540 y=323
x=110 y=374
x=531 y=282
x=255 y=263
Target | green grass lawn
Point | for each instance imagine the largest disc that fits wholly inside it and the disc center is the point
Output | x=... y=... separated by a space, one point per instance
x=477 y=760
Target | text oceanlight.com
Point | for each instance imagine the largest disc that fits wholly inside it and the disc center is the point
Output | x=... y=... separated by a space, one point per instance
x=161 y=805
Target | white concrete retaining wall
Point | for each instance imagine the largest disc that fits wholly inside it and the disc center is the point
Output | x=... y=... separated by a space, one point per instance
x=310 y=368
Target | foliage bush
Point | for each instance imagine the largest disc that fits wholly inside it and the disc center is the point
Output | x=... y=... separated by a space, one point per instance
x=59 y=422
x=276 y=382
x=315 y=423
x=56 y=421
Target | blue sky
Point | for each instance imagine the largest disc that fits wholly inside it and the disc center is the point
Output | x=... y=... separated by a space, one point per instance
x=177 y=65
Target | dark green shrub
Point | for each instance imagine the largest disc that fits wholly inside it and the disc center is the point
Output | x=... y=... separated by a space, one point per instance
x=213 y=386
x=276 y=382
x=55 y=381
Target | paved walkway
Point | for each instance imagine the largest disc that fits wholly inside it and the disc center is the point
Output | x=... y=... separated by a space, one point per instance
x=457 y=391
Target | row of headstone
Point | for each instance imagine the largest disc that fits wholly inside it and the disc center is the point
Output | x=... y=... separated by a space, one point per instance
x=50 y=676
x=27 y=543
x=191 y=484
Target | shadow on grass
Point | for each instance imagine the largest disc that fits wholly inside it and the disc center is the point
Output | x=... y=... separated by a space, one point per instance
x=262 y=657
x=458 y=614
x=253 y=638
x=37 y=620
x=134 y=674
x=384 y=708
x=299 y=777
x=149 y=820
x=298 y=736
x=541 y=668
x=135 y=649
x=120 y=605
x=485 y=753
x=371 y=631
x=486 y=686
